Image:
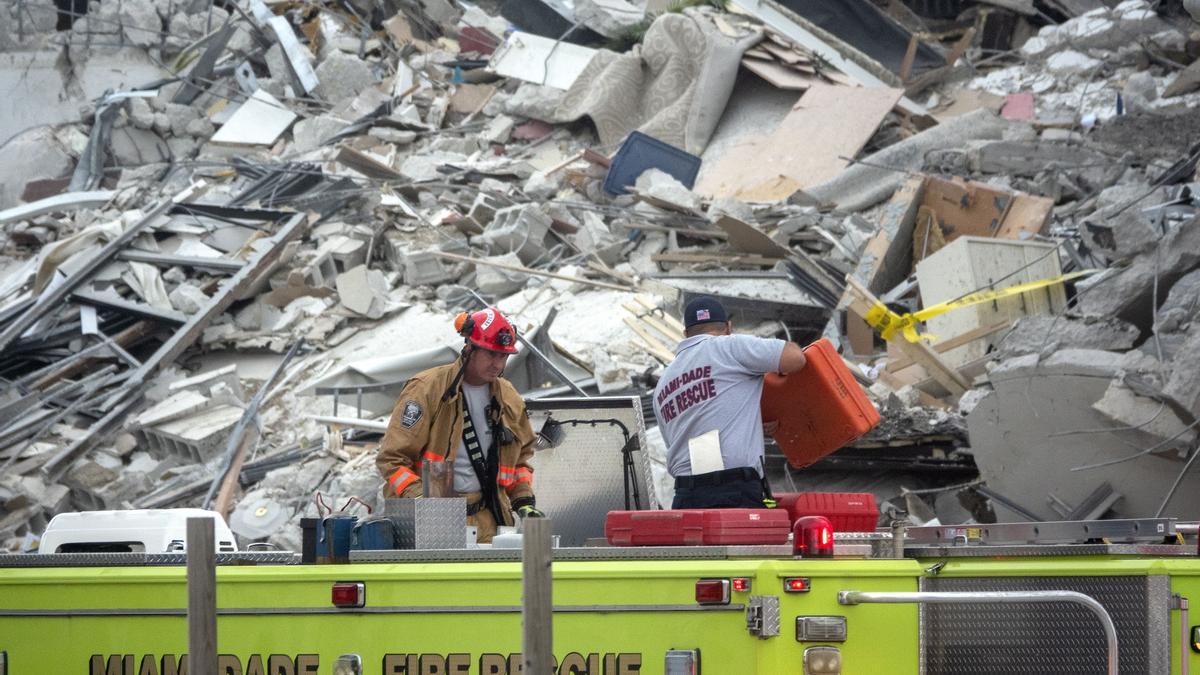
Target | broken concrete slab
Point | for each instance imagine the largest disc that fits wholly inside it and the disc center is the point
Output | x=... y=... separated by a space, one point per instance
x=1046 y=334
x=342 y=77
x=663 y=190
x=519 y=229
x=363 y=291
x=1127 y=293
x=499 y=129
x=877 y=177
x=496 y=282
x=1184 y=383
x=1070 y=63
x=1031 y=432
x=310 y=134
x=1028 y=158
x=1156 y=419
x=29 y=156
x=1186 y=82
x=215 y=383
x=188 y=299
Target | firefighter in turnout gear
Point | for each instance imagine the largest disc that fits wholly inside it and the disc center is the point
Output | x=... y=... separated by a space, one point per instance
x=466 y=414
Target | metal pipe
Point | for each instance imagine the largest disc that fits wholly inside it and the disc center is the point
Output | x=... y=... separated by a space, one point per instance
x=998 y=597
x=349 y=422
x=1187 y=528
x=899 y=530
x=537 y=352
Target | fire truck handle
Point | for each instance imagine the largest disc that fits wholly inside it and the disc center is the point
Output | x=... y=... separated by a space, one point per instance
x=1000 y=597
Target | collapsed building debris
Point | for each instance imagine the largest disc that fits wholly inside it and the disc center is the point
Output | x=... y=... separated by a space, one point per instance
x=997 y=229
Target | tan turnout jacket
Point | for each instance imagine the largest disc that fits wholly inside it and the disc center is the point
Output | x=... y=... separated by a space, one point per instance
x=423 y=428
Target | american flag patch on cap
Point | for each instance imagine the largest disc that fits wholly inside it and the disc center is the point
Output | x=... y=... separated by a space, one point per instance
x=703 y=315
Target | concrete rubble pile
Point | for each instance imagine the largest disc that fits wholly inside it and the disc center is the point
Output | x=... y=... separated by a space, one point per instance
x=233 y=229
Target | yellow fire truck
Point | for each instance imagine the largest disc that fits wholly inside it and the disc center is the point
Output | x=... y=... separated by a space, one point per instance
x=1068 y=597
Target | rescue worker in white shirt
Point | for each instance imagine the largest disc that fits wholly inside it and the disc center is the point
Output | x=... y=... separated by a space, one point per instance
x=707 y=405
x=465 y=412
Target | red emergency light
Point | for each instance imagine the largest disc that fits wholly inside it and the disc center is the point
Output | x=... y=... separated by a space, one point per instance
x=349 y=594
x=741 y=584
x=796 y=585
x=712 y=591
x=812 y=537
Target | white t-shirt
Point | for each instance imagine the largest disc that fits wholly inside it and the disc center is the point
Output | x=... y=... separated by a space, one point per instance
x=715 y=383
x=478 y=397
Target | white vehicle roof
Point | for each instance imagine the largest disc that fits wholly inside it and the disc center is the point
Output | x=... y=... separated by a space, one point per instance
x=136 y=530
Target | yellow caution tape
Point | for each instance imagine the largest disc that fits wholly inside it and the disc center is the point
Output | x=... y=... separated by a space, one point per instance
x=889 y=323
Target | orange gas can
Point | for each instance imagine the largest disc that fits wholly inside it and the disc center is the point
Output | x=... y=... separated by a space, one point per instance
x=820 y=408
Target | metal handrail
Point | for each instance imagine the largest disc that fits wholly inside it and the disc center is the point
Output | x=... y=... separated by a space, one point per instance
x=999 y=597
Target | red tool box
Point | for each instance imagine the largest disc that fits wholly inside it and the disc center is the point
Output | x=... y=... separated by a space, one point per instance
x=697 y=527
x=727 y=527
x=820 y=408
x=655 y=528
x=846 y=511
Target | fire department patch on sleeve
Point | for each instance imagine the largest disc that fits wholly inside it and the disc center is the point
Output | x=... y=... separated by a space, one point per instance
x=412 y=414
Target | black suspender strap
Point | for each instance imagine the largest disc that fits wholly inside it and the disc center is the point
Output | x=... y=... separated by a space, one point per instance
x=485 y=471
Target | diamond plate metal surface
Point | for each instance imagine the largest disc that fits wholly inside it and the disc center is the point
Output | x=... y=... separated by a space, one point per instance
x=587 y=553
x=583 y=479
x=430 y=523
x=143 y=559
x=1055 y=551
x=1046 y=638
x=762 y=616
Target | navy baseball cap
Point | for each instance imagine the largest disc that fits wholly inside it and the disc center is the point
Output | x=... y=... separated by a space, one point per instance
x=704 y=309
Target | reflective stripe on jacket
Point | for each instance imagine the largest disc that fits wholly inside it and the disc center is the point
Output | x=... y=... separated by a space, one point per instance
x=423 y=428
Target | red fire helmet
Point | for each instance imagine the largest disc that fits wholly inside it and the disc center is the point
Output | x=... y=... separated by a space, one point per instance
x=487 y=329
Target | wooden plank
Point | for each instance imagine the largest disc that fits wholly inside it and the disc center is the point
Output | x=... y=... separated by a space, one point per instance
x=224 y=502
x=860 y=302
x=779 y=75
x=656 y=348
x=366 y=164
x=1027 y=215
x=202 y=596
x=675 y=324
x=830 y=122
x=671 y=321
x=526 y=270
x=716 y=258
x=749 y=239
x=654 y=322
x=895 y=365
x=910 y=55
x=537 y=597
x=682 y=231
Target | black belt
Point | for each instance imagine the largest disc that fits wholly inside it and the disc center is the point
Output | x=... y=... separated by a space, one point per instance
x=478 y=506
x=715 y=478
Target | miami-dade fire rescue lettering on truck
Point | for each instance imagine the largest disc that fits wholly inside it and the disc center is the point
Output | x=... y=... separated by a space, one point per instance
x=574 y=663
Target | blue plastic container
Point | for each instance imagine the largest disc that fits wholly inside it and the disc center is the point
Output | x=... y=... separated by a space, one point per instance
x=640 y=152
x=338 y=530
x=377 y=533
